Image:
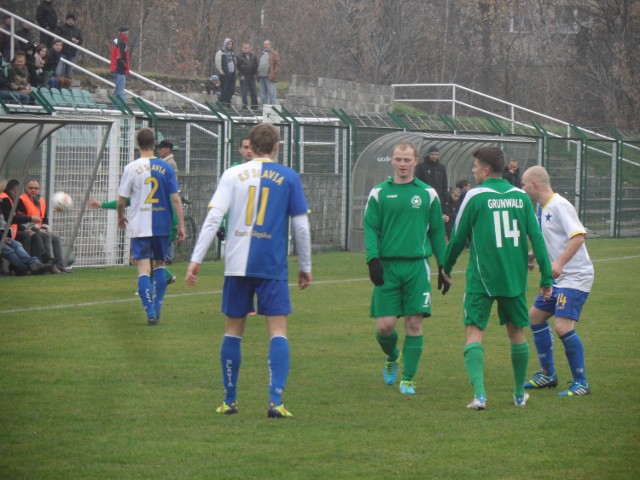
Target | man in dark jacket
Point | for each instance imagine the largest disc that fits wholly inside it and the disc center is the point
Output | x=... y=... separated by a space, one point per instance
x=69 y=32
x=433 y=173
x=512 y=173
x=248 y=69
x=47 y=18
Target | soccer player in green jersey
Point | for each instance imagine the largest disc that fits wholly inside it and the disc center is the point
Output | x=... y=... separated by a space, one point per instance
x=496 y=219
x=402 y=228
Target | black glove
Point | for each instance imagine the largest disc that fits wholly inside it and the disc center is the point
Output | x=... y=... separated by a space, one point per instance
x=375 y=271
x=444 y=283
x=221 y=234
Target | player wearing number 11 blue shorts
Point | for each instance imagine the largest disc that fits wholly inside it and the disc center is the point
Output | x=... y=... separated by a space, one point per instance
x=496 y=219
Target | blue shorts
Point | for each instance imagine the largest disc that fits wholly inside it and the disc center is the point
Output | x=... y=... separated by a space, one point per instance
x=238 y=292
x=154 y=248
x=564 y=303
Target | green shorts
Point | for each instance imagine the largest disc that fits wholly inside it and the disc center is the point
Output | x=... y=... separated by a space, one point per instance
x=406 y=289
x=477 y=308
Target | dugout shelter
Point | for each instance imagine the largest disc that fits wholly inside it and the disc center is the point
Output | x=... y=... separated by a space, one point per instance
x=373 y=165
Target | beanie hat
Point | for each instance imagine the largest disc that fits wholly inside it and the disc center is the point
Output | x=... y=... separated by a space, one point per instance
x=70 y=15
x=123 y=29
x=433 y=149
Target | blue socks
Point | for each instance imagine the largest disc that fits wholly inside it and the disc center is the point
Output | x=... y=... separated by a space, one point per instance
x=230 y=360
x=575 y=354
x=159 y=288
x=278 y=368
x=145 y=290
x=543 y=339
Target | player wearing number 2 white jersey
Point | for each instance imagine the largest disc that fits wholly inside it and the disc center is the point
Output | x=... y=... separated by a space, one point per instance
x=261 y=197
x=149 y=185
x=496 y=219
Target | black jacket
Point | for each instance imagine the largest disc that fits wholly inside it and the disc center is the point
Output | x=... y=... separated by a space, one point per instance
x=435 y=175
x=67 y=32
x=247 y=64
x=46 y=16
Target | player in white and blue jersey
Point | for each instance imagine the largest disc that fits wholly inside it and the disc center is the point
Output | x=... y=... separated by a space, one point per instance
x=564 y=236
x=260 y=197
x=150 y=185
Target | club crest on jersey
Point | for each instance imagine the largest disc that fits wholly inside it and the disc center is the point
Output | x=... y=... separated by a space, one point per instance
x=416 y=201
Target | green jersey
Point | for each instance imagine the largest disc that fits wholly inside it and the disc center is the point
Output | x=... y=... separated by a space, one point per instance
x=404 y=221
x=496 y=219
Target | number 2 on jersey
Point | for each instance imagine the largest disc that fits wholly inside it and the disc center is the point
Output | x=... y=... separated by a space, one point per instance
x=509 y=230
x=262 y=208
x=154 y=187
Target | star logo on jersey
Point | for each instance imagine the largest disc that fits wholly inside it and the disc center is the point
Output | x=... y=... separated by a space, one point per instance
x=548 y=217
x=416 y=201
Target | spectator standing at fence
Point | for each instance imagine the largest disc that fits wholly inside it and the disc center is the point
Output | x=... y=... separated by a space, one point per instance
x=47 y=18
x=512 y=173
x=226 y=66
x=5 y=39
x=120 y=61
x=263 y=198
x=70 y=32
x=151 y=185
x=248 y=69
x=268 y=70
x=432 y=172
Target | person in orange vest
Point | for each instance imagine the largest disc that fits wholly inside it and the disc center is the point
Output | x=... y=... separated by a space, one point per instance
x=32 y=204
x=11 y=249
x=30 y=239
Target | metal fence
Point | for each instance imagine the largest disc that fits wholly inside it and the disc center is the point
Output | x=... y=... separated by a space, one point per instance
x=601 y=177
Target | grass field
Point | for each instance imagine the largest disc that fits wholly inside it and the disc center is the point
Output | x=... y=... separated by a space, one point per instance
x=88 y=391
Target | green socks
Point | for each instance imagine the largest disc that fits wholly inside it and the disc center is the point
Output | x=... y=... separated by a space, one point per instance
x=411 y=353
x=520 y=362
x=389 y=345
x=474 y=364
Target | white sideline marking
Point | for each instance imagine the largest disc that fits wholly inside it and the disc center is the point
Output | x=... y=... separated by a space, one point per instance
x=217 y=292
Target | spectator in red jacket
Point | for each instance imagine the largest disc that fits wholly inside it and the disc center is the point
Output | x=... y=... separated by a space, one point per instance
x=120 y=61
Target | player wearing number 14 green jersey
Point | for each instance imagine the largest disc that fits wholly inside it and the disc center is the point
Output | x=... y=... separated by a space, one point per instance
x=496 y=219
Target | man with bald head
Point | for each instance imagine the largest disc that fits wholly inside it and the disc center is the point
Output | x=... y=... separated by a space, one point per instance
x=564 y=236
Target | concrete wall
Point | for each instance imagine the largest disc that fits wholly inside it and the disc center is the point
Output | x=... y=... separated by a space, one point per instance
x=331 y=93
x=323 y=93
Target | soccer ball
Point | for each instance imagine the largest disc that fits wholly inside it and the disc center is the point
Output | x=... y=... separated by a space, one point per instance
x=61 y=202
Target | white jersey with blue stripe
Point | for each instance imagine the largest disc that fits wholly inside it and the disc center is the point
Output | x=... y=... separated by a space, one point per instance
x=260 y=197
x=559 y=223
x=149 y=184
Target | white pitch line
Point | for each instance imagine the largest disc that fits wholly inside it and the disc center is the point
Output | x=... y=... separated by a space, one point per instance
x=217 y=292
